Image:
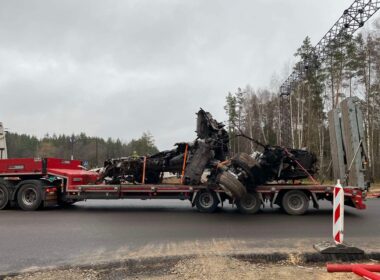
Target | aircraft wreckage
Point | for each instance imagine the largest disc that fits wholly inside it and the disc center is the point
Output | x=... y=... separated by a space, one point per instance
x=206 y=161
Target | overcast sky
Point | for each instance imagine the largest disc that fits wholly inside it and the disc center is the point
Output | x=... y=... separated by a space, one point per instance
x=119 y=68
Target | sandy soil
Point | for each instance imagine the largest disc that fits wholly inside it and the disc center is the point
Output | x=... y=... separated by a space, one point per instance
x=375 y=188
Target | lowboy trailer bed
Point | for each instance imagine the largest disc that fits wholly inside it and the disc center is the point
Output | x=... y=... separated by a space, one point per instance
x=34 y=183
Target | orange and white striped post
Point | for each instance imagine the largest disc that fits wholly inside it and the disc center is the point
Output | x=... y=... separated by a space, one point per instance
x=338 y=219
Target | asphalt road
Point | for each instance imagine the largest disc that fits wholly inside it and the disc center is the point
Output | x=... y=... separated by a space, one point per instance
x=95 y=230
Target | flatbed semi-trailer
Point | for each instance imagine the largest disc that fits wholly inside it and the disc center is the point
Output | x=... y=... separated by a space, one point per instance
x=32 y=183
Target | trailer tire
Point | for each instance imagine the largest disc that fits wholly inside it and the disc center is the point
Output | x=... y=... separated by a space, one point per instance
x=29 y=196
x=232 y=184
x=4 y=194
x=244 y=162
x=206 y=201
x=249 y=204
x=248 y=161
x=295 y=202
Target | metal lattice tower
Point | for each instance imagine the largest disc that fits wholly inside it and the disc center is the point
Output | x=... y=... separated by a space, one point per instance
x=352 y=19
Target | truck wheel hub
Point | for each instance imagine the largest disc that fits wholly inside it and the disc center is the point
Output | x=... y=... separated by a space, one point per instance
x=295 y=202
x=206 y=200
x=29 y=196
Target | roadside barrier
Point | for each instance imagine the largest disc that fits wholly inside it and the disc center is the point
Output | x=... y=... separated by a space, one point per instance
x=338 y=246
x=338 y=217
x=364 y=270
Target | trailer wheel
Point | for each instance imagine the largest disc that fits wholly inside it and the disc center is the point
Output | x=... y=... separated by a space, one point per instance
x=206 y=201
x=4 y=195
x=29 y=196
x=232 y=184
x=295 y=202
x=249 y=204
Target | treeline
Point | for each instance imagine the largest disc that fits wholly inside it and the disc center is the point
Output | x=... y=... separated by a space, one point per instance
x=92 y=149
x=352 y=68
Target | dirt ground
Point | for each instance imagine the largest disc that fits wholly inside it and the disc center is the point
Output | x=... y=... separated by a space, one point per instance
x=201 y=267
x=375 y=187
x=374 y=191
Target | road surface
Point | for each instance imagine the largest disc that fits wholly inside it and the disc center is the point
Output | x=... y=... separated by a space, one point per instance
x=106 y=230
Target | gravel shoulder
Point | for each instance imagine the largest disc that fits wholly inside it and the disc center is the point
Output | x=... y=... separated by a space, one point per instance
x=197 y=267
x=217 y=259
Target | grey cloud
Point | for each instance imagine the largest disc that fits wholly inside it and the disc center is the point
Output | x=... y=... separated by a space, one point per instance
x=118 y=68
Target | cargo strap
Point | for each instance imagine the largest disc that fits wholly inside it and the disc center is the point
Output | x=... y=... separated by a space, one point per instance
x=303 y=169
x=184 y=164
x=143 y=175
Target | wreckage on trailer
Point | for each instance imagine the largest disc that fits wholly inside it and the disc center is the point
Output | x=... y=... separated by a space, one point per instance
x=188 y=161
x=201 y=172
